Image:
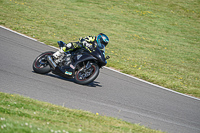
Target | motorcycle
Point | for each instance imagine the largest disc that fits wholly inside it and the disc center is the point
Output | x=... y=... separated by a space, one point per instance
x=79 y=64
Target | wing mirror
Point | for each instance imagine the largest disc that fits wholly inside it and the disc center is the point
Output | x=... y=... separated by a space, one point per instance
x=107 y=57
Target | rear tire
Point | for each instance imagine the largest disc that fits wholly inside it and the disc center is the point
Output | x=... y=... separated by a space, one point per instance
x=93 y=75
x=40 y=64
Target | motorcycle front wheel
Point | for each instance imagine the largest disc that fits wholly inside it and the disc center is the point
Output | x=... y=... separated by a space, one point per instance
x=86 y=75
x=40 y=64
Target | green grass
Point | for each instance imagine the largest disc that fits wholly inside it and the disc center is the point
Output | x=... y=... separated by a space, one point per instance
x=20 y=114
x=155 y=40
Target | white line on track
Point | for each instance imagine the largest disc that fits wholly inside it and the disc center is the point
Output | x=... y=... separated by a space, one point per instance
x=109 y=68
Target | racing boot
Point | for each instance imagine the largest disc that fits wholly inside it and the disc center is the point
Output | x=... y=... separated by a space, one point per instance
x=58 y=53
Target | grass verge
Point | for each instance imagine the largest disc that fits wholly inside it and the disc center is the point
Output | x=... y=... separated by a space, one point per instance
x=20 y=114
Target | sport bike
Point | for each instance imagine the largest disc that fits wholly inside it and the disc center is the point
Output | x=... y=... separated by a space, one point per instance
x=79 y=64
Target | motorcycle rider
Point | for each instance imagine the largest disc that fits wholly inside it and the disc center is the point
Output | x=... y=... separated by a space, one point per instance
x=89 y=43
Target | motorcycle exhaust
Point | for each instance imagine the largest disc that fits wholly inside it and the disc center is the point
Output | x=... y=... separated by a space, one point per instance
x=51 y=62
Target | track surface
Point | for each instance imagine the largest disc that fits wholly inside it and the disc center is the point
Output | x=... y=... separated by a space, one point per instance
x=111 y=94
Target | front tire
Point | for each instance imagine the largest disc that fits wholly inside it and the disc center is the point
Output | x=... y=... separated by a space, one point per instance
x=40 y=64
x=85 y=76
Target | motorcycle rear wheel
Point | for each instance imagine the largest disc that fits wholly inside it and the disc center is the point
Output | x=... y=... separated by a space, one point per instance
x=85 y=76
x=40 y=64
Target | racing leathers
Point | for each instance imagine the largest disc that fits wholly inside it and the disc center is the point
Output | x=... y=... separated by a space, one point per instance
x=89 y=43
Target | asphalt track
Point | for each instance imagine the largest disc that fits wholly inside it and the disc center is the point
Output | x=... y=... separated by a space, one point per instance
x=111 y=94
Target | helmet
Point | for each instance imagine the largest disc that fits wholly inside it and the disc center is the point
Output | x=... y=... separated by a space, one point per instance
x=102 y=40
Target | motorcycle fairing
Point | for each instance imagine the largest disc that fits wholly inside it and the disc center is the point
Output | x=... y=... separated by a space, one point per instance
x=100 y=57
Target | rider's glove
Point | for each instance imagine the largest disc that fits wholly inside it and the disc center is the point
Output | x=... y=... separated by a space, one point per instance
x=88 y=45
